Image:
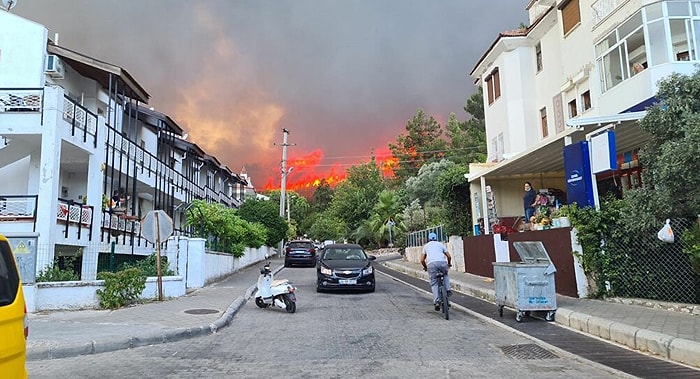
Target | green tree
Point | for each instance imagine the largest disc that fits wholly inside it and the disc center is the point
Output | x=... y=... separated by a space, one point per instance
x=266 y=213
x=452 y=192
x=672 y=151
x=422 y=143
x=422 y=186
x=354 y=198
x=327 y=227
x=223 y=228
x=376 y=229
x=468 y=138
x=323 y=195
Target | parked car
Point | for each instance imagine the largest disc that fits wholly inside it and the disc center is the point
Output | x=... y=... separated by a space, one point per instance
x=345 y=266
x=13 y=316
x=300 y=252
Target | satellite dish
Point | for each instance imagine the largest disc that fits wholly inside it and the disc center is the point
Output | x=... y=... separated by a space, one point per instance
x=9 y=4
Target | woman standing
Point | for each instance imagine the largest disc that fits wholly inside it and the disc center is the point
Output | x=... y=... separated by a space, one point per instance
x=528 y=202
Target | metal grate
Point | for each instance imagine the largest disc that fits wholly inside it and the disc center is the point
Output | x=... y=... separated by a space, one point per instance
x=201 y=311
x=527 y=351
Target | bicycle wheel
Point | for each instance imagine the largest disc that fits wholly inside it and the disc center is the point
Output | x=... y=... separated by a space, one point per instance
x=445 y=302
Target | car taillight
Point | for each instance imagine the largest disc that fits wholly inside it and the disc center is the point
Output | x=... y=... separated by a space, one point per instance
x=26 y=326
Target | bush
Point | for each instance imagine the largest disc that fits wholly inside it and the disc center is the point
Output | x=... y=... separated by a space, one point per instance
x=54 y=273
x=121 y=288
x=149 y=266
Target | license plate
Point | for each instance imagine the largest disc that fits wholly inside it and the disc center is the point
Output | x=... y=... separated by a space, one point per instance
x=348 y=281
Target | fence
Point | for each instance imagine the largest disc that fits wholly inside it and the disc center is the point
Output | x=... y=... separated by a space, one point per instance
x=642 y=266
x=420 y=237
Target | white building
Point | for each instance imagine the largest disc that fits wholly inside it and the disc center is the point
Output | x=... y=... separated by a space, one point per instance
x=75 y=131
x=580 y=67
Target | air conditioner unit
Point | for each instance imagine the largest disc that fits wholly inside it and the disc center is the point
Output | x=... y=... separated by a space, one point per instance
x=54 y=67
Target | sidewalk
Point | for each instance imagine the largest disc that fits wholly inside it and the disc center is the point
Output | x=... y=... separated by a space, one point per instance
x=670 y=334
x=202 y=311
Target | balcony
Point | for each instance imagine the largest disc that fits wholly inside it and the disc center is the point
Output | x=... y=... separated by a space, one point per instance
x=18 y=209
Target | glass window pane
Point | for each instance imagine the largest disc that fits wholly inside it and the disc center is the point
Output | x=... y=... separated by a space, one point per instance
x=658 y=45
x=678 y=8
x=696 y=40
x=605 y=44
x=696 y=8
x=614 y=70
x=653 y=12
x=630 y=25
x=679 y=37
x=636 y=49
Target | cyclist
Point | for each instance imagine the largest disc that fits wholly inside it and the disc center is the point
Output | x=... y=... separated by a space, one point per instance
x=438 y=260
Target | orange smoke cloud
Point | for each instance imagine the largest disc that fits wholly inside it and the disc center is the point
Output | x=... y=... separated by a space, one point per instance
x=224 y=104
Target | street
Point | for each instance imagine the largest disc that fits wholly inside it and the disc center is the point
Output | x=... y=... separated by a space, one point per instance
x=393 y=332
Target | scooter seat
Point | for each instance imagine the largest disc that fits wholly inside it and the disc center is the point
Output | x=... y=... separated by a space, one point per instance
x=279 y=282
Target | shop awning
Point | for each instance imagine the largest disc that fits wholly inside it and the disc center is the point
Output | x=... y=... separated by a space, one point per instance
x=547 y=157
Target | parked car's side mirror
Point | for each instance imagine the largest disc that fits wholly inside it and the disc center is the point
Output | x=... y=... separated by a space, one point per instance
x=372 y=257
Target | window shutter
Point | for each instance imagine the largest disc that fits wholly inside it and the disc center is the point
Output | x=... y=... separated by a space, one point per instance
x=570 y=14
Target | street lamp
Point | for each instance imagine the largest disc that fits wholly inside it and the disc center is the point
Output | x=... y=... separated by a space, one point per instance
x=389 y=224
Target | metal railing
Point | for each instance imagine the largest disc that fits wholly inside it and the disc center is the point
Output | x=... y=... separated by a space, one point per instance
x=81 y=119
x=420 y=237
x=19 y=208
x=75 y=214
x=17 y=100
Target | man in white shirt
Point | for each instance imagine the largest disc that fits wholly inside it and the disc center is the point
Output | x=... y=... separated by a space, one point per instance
x=438 y=260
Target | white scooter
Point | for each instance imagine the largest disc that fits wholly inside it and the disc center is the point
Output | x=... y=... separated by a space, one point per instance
x=279 y=293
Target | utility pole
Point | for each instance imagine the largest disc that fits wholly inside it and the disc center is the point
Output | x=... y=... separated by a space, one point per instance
x=283 y=189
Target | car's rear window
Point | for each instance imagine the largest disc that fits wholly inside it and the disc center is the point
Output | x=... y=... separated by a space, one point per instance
x=9 y=279
x=338 y=254
x=301 y=245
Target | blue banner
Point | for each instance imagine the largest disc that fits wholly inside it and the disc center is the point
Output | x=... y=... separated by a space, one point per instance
x=577 y=171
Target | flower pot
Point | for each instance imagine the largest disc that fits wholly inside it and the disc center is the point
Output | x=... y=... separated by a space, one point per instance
x=564 y=222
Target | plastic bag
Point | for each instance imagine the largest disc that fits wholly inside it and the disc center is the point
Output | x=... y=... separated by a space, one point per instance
x=666 y=233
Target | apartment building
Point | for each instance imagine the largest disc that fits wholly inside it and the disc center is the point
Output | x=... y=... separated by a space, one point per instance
x=581 y=67
x=83 y=158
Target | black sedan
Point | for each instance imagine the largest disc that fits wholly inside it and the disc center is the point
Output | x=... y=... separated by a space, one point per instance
x=345 y=267
x=300 y=252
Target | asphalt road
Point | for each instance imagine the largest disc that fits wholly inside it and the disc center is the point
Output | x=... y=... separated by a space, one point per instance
x=392 y=333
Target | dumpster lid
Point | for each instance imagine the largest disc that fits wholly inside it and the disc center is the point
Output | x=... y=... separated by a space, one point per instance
x=532 y=251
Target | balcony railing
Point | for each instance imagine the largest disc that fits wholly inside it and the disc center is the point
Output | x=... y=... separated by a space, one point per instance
x=20 y=208
x=82 y=121
x=18 y=100
x=74 y=214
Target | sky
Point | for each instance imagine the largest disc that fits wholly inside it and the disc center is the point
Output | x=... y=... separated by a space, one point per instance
x=342 y=76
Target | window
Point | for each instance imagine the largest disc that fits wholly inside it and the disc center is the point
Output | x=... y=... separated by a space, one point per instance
x=586 y=101
x=572 y=109
x=538 y=56
x=570 y=14
x=493 y=86
x=543 y=122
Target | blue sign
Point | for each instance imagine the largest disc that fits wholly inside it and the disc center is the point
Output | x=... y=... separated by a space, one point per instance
x=577 y=171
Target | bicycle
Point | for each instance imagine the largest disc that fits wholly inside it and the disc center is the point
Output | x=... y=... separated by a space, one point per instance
x=443 y=296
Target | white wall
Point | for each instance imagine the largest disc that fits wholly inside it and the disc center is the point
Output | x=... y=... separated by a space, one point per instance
x=23 y=46
x=77 y=295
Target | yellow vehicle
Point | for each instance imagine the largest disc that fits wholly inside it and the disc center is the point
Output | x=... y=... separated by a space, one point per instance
x=13 y=316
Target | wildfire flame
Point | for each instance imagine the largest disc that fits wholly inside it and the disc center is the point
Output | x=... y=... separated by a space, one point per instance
x=310 y=170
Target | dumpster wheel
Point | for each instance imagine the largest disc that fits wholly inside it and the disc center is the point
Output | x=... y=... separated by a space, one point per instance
x=549 y=316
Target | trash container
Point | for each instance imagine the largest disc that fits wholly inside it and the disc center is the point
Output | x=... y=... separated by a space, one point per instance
x=526 y=286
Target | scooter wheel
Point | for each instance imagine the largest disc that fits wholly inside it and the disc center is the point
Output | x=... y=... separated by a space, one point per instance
x=291 y=306
x=260 y=303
